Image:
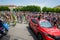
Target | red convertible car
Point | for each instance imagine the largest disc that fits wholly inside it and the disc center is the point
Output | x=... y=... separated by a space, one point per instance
x=44 y=29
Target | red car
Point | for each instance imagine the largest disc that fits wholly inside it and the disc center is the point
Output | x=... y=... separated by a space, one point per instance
x=44 y=29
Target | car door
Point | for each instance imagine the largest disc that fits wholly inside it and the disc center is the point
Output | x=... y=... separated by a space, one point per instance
x=34 y=24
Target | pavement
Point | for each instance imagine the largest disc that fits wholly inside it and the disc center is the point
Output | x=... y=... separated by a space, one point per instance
x=20 y=32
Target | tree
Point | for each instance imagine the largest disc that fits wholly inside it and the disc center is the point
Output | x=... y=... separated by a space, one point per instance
x=57 y=10
x=44 y=9
x=28 y=8
x=4 y=8
x=50 y=10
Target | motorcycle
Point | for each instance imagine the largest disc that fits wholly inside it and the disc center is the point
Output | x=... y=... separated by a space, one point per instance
x=4 y=27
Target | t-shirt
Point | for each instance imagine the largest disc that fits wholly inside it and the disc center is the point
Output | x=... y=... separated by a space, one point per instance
x=13 y=16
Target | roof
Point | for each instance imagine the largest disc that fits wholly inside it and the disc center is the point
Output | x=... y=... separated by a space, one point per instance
x=9 y=5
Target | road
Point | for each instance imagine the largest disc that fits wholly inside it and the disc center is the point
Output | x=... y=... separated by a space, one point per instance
x=20 y=32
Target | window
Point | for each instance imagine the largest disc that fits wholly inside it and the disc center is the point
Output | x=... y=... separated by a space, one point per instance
x=45 y=24
x=34 y=21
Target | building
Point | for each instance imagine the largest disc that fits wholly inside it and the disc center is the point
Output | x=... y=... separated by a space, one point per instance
x=11 y=7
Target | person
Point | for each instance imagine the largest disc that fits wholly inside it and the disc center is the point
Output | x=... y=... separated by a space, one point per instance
x=8 y=18
x=40 y=16
x=55 y=21
x=24 y=18
x=21 y=18
x=18 y=17
x=14 y=19
x=58 y=21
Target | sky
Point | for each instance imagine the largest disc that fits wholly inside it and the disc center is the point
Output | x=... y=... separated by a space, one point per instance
x=41 y=3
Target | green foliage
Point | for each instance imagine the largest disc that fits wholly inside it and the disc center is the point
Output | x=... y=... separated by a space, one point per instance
x=36 y=9
x=45 y=9
x=57 y=10
x=4 y=8
x=28 y=8
x=31 y=8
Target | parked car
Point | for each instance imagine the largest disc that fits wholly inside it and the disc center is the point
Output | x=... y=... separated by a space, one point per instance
x=44 y=29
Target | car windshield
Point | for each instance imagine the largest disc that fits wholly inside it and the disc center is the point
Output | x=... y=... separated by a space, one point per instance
x=45 y=24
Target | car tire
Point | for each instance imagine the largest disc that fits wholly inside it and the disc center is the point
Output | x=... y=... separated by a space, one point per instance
x=40 y=37
x=1 y=36
x=29 y=26
x=5 y=32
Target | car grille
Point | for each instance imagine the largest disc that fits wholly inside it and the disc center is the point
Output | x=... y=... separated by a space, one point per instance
x=57 y=38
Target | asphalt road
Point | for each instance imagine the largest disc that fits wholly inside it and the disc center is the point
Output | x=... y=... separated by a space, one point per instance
x=20 y=32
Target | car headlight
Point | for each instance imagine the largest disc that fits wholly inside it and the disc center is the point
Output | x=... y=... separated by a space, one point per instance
x=51 y=36
x=55 y=37
x=48 y=35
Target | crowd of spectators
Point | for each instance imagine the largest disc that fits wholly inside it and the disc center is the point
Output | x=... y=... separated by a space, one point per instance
x=21 y=17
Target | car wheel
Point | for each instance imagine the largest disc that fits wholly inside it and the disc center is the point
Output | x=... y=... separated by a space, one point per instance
x=40 y=37
x=29 y=26
x=5 y=32
x=1 y=36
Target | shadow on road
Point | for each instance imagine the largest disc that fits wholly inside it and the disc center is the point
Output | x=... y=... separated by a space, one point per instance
x=7 y=37
x=32 y=33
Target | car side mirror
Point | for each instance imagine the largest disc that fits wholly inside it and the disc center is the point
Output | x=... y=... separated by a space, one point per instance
x=55 y=26
x=59 y=26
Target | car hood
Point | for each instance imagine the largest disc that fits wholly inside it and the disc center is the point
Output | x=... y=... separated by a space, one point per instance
x=52 y=31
